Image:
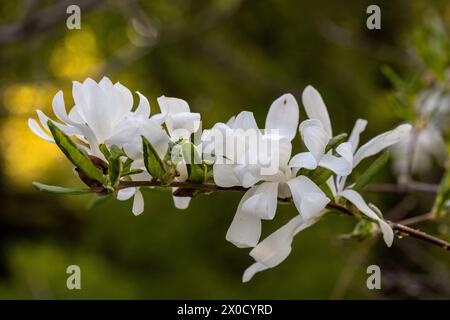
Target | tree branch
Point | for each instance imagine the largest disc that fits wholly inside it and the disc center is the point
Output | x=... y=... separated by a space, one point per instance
x=403 y=188
x=209 y=187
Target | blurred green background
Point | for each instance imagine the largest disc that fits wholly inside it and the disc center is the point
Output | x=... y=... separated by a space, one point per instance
x=222 y=56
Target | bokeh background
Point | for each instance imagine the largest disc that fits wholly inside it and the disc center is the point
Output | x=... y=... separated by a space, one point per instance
x=222 y=56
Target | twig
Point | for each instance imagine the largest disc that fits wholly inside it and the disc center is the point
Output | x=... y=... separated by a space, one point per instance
x=403 y=188
x=41 y=20
x=209 y=187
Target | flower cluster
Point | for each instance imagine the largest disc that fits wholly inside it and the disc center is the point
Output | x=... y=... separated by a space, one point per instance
x=116 y=148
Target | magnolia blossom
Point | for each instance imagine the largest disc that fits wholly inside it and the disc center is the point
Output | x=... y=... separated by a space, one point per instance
x=103 y=114
x=260 y=201
x=240 y=153
x=100 y=108
x=180 y=124
x=433 y=108
x=274 y=249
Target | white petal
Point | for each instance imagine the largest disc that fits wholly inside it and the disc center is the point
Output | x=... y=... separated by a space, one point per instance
x=43 y=119
x=332 y=185
x=37 y=130
x=59 y=108
x=170 y=106
x=182 y=125
x=247 y=175
x=303 y=160
x=283 y=116
x=245 y=229
x=126 y=103
x=275 y=248
x=308 y=198
x=230 y=122
x=315 y=108
x=224 y=175
x=245 y=120
x=252 y=270
x=125 y=194
x=181 y=202
x=138 y=203
x=314 y=137
x=380 y=142
x=359 y=127
x=388 y=233
x=143 y=109
x=355 y=198
x=343 y=165
x=283 y=154
x=263 y=203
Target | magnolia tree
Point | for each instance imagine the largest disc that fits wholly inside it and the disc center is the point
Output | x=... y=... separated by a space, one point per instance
x=118 y=149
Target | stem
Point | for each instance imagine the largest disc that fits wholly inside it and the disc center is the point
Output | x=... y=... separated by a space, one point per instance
x=403 y=228
x=209 y=187
x=403 y=188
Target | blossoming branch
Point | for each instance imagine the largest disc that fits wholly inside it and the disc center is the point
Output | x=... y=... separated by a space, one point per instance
x=117 y=150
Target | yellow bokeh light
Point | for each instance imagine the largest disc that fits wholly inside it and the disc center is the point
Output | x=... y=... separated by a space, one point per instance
x=25 y=156
x=77 y=56
x=24 y=99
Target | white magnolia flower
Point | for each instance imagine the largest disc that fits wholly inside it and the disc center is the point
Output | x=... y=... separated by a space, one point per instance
x=180 y=124
x=242 y=143
x=310 y=201
x=260 y=201
x=316 y=109
x=99 y=109
x=433 y=107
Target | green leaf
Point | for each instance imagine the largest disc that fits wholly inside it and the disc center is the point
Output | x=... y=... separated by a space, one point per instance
x=320 y=175
x=152 y=161
x=75 y=155
x=131 y=172
x=441 y=206
x=373 y=170
x=195 y=167
x=104 y=149
x=335 y=141
x=60 y=190
x=115 y=167
x=364 y=229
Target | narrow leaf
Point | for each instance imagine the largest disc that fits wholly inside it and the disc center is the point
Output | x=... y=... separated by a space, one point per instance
x=335 y=141
x=373 y=170
x=60 y=190
x=441 y=203
x=152 y=161
x=75 y=155
x=194 y=165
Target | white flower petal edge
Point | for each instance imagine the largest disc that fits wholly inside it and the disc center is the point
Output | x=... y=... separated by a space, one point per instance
x=275 y=248
x=245 y=229
x=283 y=116
x=308 y=198
x=138 y=203
x=316 y=109
x=355 y=198
x=315 y=137
x=381 y=142
x=263 y=202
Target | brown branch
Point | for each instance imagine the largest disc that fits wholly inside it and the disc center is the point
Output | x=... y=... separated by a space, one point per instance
x=421 y=235
x=403 y=188
x=41 y=20
x=209 y=187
